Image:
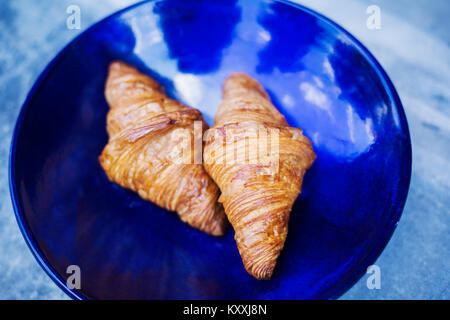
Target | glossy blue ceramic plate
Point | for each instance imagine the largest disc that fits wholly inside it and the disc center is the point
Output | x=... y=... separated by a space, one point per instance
x=320 y=77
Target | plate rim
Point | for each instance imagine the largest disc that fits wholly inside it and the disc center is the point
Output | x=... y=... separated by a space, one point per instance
x=334 y=292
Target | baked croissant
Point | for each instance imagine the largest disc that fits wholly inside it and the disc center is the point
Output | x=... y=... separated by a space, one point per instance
x=258 y=161
x=150 y=149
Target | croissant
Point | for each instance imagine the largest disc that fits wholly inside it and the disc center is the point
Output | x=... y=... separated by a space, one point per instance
x=150 y=149
x=258 y=161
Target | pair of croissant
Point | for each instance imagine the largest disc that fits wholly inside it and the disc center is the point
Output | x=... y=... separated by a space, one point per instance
x=147 y=131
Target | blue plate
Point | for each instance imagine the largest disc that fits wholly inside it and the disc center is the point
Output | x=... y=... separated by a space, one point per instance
x=320 y=77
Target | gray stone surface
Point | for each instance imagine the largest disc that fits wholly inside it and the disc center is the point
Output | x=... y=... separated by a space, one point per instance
x=413 y=47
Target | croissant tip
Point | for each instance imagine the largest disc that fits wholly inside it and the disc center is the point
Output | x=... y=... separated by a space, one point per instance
x=218 y=232
x=260 y=260
x=237 y=75
x=212 y=221
x=218 y=228
x=118 y=66
x=115 y=65
x=263 y=272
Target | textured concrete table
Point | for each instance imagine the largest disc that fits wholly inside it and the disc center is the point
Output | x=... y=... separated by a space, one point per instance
x=412 y=44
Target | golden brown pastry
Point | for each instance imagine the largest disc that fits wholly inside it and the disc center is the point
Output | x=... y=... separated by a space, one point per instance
x=258 y=162
x=151 y=149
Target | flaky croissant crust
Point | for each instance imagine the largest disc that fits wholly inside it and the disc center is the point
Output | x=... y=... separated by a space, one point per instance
x=257 y=194
x=150 y=149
